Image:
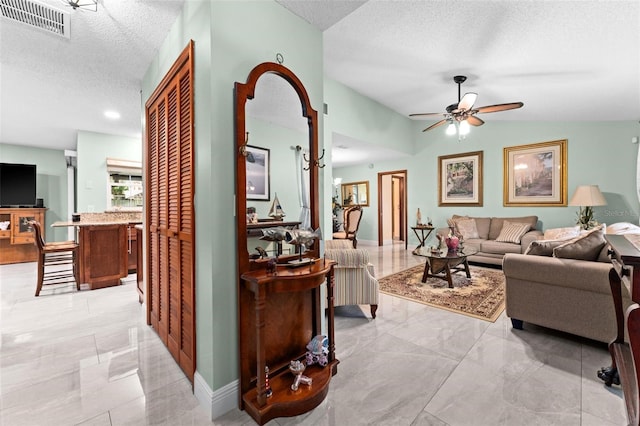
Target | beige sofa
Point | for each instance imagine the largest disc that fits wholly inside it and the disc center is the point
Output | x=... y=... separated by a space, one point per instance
x=569 y=295
x=488 y=229
x=566 y=293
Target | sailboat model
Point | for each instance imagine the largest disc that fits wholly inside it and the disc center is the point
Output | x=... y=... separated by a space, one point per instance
x=276 y=211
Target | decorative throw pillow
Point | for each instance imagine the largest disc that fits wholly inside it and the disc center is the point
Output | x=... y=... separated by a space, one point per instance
x=622 y=228
x=562 y=233
x=543 y=247
x=512 y=232
x=585 y=247
x=467 y=228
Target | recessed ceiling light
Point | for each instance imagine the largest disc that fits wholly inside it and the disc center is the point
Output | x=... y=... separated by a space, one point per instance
x=114 y=115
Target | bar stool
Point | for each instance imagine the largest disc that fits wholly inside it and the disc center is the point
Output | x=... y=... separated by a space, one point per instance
x=51 y=256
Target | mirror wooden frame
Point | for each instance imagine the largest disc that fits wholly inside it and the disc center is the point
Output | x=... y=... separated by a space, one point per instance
x=243 y=93
x=362 y=184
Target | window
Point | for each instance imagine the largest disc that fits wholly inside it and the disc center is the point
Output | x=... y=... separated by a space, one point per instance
x=125 y=190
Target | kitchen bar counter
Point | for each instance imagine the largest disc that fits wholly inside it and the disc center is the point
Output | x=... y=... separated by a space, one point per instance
x=107 y=218
x=105 y=241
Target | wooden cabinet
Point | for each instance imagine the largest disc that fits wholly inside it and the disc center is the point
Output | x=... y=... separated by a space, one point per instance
x=139 y=268
x=170 y=217
x=132 y=249
x=103 y=255
x=279 y=314
x=17 y=241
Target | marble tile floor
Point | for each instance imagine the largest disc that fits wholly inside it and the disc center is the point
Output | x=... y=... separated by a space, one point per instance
x=88 y=358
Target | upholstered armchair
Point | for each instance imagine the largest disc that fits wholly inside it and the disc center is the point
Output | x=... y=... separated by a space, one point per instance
x=354 y=277
x=352 y=216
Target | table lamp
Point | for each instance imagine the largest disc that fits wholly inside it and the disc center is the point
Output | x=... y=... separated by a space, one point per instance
x=587 y=196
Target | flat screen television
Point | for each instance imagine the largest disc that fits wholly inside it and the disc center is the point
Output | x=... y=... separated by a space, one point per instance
x=17 y=185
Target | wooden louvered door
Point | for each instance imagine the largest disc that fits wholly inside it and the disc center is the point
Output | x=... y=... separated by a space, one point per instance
x=170 y=215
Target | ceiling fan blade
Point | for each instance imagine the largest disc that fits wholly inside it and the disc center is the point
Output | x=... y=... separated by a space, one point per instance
x=499 y=107
x=426 y=114
x=433 y=126
x=467 y=101
x=475 y=121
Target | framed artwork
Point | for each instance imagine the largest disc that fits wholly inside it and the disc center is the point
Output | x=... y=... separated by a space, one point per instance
x=460 y=179
x=355 y=193
x=257 y=167
x=536 y=174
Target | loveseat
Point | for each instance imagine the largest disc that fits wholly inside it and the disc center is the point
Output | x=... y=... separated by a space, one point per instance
x=486 y=235
x=564 y=285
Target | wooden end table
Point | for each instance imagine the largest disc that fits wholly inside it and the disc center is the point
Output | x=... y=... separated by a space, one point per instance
x=421 y=236
x=442 y=264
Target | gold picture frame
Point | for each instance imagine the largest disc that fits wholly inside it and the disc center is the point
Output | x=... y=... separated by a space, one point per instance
x=536 y=174
x=355 y=193
x=460 y=179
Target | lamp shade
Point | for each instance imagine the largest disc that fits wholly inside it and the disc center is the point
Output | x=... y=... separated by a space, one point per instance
x=587 y=195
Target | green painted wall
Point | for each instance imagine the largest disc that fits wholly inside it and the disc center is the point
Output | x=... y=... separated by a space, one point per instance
x=51 y=181
x=230 y=39
x=92 y=177
x=598 y=153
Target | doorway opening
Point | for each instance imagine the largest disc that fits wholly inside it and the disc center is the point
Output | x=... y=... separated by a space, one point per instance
x=392 y=208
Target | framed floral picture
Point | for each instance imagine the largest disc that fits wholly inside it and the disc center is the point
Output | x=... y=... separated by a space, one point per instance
x=536 y=174
x=258 y=176
x=460 y=179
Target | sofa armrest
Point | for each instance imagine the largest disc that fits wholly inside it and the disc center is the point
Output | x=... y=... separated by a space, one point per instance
x=348 y=258
x=530 y=236
x=579 y=274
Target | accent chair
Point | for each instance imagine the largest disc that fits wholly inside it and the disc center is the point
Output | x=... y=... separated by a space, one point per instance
x=354 y=277
x=352 y=216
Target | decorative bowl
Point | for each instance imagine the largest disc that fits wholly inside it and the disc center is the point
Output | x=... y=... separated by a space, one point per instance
x=4 y=225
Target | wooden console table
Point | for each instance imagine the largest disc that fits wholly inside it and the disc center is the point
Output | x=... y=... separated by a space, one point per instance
x=625 y=356
x=279 y=314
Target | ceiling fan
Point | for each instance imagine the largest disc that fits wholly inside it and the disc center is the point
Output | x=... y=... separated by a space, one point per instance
x=463 y=113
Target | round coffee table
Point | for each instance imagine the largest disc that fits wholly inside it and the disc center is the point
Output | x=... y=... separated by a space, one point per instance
x=442 y=263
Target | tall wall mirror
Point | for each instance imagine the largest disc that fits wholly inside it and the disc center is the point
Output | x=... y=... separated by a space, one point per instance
x=355 y=193
x=276 y=136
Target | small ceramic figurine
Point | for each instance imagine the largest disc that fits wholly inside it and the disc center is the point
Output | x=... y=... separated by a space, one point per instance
x=271 y=266
x=267 y=386
x=297 y=368
x=317 y=352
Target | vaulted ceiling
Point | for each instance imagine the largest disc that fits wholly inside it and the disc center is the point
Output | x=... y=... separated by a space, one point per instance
x=566 y=60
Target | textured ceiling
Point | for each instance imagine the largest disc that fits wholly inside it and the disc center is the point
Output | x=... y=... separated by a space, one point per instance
x=566 y=60
x=50 y=86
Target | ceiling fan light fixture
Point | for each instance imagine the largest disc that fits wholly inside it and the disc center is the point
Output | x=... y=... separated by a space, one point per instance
x=464 y=128
x=91 y=5
x=451 y=129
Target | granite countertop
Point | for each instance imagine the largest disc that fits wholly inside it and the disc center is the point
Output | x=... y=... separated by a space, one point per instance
x=106 y=218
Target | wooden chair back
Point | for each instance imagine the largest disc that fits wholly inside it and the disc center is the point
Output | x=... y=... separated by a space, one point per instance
x=352 y=217
x=37 y=234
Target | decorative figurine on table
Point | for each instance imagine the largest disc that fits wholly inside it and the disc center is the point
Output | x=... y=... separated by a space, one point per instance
x=276 y=211
x=452 y=243
x=252 y=216
x=317 y=351
x=297 y=368
x=272 y=266
x=262 y=252
x=267 y=386
x=303 y=239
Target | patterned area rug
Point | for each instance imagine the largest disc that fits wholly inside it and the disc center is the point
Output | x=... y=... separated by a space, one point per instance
x=481 y=296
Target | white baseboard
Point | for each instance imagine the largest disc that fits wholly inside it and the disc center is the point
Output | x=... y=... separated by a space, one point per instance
x=216 y=403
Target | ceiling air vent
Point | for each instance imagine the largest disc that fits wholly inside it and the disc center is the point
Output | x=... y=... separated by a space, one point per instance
x=36 y=15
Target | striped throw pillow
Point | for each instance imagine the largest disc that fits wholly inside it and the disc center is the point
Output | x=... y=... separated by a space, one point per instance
x=512 y=232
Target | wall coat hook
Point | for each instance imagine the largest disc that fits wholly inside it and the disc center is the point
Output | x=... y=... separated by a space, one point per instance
x=243 y=148
x=315 y=162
